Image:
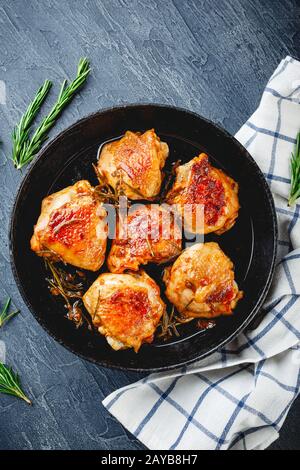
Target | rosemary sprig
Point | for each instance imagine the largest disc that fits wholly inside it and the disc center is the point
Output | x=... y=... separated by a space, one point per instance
x=30 y=147
x=168 y=325
x=68 y=287
x=105 y=192
x=64 y=284
x=21 y=131
x=10 y=383
x=5 y=316
x=295 y=173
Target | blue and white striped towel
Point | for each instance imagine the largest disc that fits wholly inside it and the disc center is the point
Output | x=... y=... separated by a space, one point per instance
x=238 y=397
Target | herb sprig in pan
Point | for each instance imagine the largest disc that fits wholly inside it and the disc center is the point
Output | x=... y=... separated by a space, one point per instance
x=25 y=148
x=71 y=288
x=5 y=315
x=295 y=173
x=10 y=383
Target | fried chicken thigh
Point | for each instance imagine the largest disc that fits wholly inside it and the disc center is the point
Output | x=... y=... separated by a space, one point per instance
x=72 y=227
x=198 y=182
x=134 y=163
x=148 y=234
x=125 y=308
x=201 y=282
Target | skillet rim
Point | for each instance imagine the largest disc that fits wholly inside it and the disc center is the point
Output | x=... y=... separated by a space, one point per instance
x=12 y=248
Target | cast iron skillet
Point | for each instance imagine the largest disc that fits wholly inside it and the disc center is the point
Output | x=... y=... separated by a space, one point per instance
x=251 y=243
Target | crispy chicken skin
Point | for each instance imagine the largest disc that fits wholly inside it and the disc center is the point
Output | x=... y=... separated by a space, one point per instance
x=201 y=282
x=72 y=227
x=149 y=233
x=198 y=182
x=134 y=162
x=125 y=308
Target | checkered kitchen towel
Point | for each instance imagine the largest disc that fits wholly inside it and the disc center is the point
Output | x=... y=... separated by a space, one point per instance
x=238 y=397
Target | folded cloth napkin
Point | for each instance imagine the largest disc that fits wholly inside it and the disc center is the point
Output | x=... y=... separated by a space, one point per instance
x=238 y=397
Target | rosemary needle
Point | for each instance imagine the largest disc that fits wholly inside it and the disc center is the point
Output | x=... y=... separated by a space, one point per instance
x=295 y=173
x=5 y=316
x=10 y=383
x=21 y=131
x=31 y=146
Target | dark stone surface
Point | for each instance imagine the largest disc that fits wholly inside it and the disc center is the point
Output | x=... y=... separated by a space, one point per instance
x=213 y=57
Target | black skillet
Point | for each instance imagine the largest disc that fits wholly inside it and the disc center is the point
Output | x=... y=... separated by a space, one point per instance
x=251 y=243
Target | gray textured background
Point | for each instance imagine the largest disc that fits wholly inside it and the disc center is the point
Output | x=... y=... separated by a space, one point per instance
x=213 y=57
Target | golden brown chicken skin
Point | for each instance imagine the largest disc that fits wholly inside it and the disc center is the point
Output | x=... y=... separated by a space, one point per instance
x=125 y=308
x=72 y=227
x=134 y=163
x=201 y=282
x=149 y=234
x=198 y=182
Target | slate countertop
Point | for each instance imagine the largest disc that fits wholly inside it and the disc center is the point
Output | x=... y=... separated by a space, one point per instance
x=213 y=57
